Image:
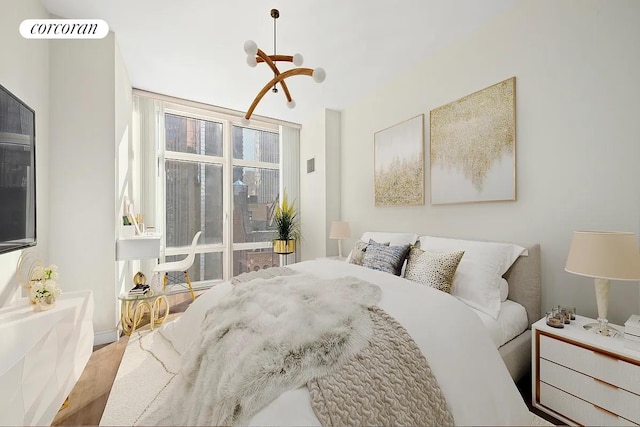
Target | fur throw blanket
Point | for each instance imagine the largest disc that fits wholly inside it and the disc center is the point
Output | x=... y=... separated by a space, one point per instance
x=265 y=337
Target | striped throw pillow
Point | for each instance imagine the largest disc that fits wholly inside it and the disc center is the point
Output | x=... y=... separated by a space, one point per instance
x=385 y=258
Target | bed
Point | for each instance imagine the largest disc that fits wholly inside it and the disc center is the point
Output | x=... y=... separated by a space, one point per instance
x=473 y=374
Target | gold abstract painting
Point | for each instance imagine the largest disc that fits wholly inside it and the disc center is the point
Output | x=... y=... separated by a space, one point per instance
x=473 y=147
x=399 y=164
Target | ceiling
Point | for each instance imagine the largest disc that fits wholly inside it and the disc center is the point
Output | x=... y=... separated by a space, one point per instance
x=193 y=49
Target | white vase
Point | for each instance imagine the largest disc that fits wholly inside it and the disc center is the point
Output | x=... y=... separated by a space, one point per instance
x=47 y=304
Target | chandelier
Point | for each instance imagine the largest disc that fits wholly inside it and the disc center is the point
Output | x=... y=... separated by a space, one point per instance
x=255 y=56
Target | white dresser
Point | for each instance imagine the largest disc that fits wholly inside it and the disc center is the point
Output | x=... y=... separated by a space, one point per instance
x=582 y=378
x=42 y=355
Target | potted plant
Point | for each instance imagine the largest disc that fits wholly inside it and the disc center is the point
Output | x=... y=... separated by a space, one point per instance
x=286 y=221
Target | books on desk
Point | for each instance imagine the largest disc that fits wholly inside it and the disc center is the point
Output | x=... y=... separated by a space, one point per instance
x=140 y=290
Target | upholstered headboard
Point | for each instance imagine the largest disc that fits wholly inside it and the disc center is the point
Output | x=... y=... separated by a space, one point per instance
x=525 y=281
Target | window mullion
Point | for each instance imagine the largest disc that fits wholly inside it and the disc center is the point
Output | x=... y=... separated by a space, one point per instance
x=193 y=157
x=227 y=203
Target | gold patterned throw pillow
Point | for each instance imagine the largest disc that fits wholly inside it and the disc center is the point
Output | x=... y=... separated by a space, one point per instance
x=435 y=269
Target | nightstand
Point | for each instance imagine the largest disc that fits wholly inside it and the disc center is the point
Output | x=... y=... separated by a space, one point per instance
x=583 y=378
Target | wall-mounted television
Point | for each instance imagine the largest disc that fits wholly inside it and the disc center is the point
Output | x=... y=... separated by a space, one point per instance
x=17 y=173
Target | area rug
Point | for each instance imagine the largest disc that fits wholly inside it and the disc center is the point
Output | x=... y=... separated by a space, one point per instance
x=148 y=366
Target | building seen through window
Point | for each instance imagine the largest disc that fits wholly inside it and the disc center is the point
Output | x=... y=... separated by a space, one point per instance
x=195 y=194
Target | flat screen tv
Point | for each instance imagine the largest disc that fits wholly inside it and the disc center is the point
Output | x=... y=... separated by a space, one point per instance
x=17 y=173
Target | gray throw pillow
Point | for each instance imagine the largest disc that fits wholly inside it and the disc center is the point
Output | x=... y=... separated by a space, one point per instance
x=357 y=254
x=385 y=258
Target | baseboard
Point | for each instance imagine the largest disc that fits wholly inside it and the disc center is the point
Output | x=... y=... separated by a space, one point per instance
x=105 y=337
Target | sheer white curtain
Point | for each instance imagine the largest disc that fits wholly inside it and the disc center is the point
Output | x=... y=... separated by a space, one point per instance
x=290 y=167
x=147 y=113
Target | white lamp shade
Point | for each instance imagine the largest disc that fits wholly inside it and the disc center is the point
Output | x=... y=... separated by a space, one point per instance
x=339 y=230
x=604 y=255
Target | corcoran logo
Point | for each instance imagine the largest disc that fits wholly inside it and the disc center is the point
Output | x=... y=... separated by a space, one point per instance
x=64 y=29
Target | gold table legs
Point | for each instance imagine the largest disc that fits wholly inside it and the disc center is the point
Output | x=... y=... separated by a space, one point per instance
x=132 y=311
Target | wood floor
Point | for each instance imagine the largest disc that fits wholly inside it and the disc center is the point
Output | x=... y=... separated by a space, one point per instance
x=88 y=398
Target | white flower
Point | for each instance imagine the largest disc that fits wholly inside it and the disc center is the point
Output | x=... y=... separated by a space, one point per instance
x=42 y=286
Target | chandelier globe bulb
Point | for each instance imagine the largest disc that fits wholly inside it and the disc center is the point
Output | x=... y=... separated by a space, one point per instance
x=319 y=75
x=251 y=48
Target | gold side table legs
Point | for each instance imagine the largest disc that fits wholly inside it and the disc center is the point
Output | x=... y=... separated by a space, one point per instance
x=132 y=311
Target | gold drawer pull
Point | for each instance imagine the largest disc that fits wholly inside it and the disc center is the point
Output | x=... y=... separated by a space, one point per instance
x=605 y=411
x=606 y=383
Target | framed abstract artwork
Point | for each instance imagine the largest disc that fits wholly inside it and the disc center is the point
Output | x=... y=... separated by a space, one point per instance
x=399 y=164
x=473 y=147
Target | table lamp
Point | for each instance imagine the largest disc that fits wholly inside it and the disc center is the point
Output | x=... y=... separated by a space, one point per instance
x=339 y=230
x=604 y=255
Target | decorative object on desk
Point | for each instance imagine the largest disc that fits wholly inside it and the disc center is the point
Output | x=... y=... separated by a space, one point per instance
x=27 y=263
x=255 y=56
x=473 y=147
x=398 y=157
x=339 y=230
x=604 y=255
x=42 y=287
x=132 y=217
x=141 y=290
x=286 y=221
x=139 y=278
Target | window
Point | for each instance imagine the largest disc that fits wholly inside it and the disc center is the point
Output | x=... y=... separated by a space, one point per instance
x=256 y=183
x=202 y=184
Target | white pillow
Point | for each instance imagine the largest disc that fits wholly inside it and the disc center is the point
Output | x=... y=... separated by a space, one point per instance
x=504 y=289
x=477 y=279
x=394 y=239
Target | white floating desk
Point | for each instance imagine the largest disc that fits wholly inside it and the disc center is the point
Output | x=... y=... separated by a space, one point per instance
x=138 y=247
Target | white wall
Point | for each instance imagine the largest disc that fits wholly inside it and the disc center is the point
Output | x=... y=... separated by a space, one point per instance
x=319 y=190
x=578 y=136
x=25 y=72
x=90 y=112
x=127 y=172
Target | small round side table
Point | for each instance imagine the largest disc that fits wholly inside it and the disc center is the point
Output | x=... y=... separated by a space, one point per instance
x=133 y=307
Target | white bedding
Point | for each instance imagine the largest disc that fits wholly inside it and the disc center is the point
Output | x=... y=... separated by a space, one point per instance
x=511 y=322
x=461 y=353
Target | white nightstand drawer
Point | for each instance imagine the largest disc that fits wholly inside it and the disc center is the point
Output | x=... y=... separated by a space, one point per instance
x=613 y=399
x=598 y=365
x=576 y=409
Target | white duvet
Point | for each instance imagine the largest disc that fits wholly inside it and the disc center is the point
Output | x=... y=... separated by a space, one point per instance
x=457 y=346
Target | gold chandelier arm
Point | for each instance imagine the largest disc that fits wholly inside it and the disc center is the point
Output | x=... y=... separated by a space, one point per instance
x=278 y=78
x=267 y=60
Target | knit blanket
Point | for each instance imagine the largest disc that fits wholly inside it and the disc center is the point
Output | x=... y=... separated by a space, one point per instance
x=387 y=383
x=265 y=337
